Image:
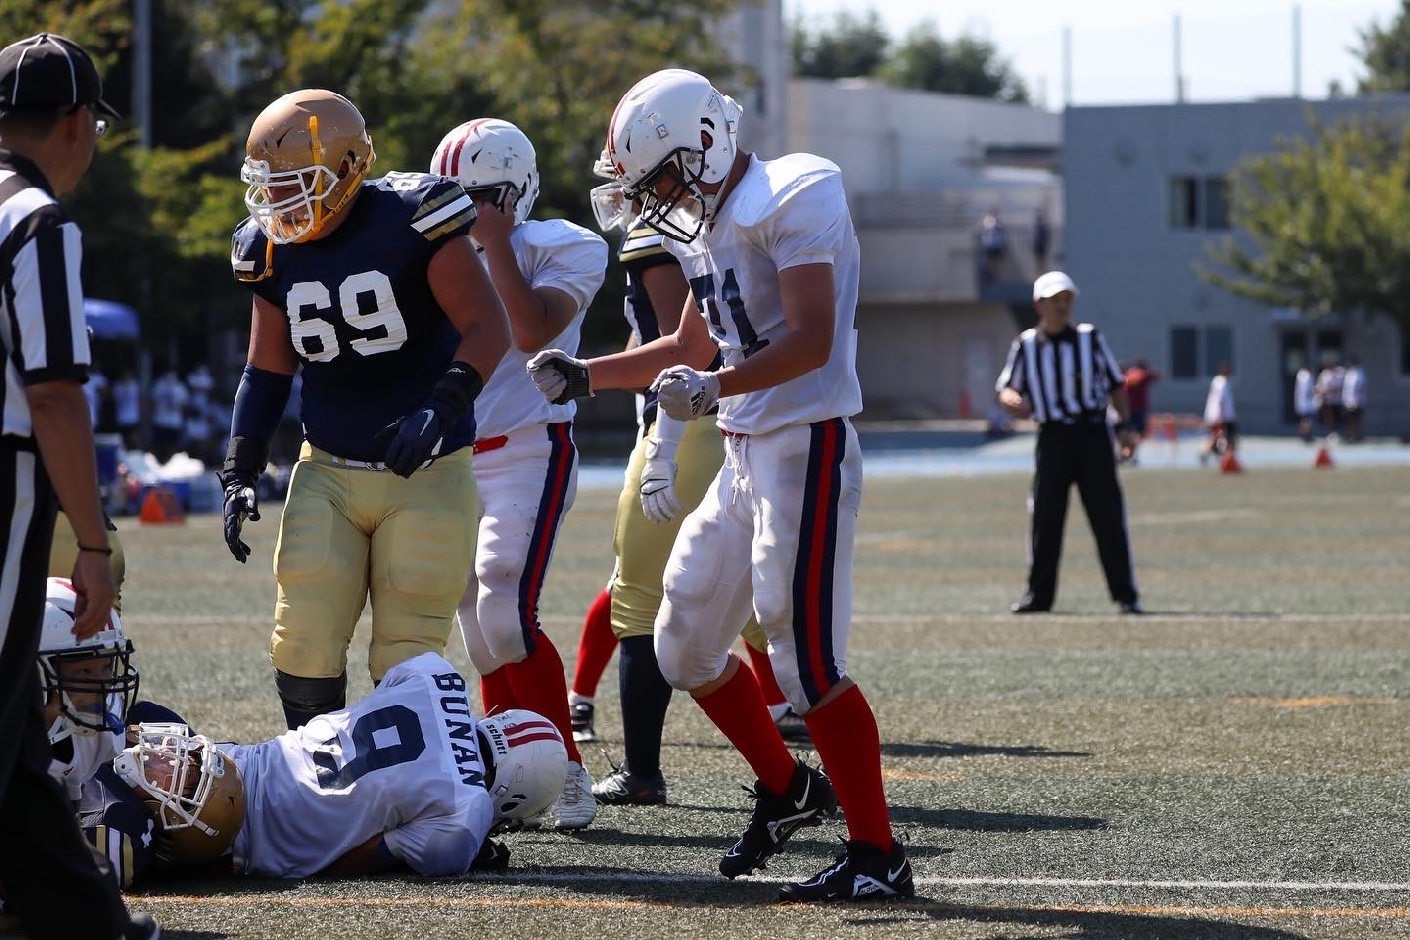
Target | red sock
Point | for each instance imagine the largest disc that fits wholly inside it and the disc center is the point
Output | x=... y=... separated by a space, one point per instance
x=595 y=646
x=539 y=686
x=496 y=692
x=845 y=736
x=764 y=672
x=737 y=708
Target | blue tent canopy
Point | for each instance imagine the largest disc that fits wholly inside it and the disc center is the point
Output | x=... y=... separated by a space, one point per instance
x=110 y=320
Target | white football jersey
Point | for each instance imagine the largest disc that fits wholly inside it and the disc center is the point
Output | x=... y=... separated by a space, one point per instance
x=404 y=762
x=551 y=253
x=783 y=213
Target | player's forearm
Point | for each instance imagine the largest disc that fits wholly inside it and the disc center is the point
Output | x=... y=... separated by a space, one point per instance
x=63 y=430
x=527 y=316
x=638 y=368
x=791 y=355
x=483 y=344
x=1121 y=403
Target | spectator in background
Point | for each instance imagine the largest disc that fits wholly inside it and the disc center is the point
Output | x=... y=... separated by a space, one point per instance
x=1219 y=415
x=1042 y=241
x=200 y=385
x=127 y=404
x=169 y=400
x=95 y=390
x=1305 y=399
x=1353 y=397
x=1138 y=394
x=1329 y=382
x=993 y=242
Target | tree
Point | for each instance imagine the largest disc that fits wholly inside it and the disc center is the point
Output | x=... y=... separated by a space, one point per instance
x=852 y=47
x=1324 y=223
x=1385 y=51
x=966 y=66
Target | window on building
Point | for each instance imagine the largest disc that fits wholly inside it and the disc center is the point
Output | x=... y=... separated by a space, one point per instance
x=1184 y=352
x=1216 y=202
x=1218 y=347
x=1184 y=202
x=1199 y=202
x=1196 y=351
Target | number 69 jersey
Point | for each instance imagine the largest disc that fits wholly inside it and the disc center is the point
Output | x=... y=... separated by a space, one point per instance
x=363 y=320
x=404 y=762
x=783 y=213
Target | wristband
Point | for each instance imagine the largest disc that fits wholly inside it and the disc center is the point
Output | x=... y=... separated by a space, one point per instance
x=105 y=550
x=458 y=388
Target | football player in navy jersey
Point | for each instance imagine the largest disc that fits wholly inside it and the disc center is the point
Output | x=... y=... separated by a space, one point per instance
x=374 y=289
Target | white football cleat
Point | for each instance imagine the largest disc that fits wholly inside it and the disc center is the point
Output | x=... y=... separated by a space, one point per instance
x=575 y=807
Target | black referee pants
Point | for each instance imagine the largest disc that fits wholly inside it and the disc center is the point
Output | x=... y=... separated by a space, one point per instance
x=50 y=878
x=1083 y=454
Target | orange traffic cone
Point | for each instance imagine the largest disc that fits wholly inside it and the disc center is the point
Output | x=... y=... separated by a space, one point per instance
x=1324 y=458
x=1230 y=463
x=160 y=505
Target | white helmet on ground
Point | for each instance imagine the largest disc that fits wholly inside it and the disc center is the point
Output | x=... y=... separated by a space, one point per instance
x=491 y=154
x=525 y=763
x=673 y=126
x=93 y=678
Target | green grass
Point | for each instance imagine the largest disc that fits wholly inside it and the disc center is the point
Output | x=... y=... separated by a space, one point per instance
x=1137 y=771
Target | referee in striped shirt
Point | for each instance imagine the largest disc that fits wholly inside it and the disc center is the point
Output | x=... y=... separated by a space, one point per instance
x=1063 y=377
x=51 y=114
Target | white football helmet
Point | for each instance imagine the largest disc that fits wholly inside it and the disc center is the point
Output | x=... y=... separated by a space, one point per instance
x=96 y=701
x=674 y=127
x=192 y=788
x=488 y=153
x=526 y=763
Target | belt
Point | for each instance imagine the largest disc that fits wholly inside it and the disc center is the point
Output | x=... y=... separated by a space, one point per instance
x=489 y=443
x=734 y=434
x=356 y=464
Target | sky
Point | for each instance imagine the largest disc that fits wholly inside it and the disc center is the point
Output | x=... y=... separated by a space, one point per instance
x=1123 y=52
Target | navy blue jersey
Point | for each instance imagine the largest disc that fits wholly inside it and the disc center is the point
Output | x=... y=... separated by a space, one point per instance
x=362 y=318
x=116 y=820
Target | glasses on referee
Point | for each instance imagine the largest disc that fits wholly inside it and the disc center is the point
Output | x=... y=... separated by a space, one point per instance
x=100 y=125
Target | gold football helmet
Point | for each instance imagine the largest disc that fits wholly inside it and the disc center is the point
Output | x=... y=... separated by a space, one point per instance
x=305 y=158
x=193 y=789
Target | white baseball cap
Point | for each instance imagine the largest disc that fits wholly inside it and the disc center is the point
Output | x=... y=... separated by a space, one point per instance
x=1054 y=282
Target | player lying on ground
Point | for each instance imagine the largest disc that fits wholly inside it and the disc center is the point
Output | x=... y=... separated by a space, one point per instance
x=406 y=778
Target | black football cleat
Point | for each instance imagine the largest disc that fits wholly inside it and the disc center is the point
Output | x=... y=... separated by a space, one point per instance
x=793 y=728
x=624 y=788
x=777 y=816
x=580 y=719
x=861 y=873
x=1028 y=604
x=1132 y=607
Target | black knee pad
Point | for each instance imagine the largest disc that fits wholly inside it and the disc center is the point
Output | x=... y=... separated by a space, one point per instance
x=306 y=699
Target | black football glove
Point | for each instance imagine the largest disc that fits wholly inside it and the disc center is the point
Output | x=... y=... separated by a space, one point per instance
x=241 y=503
x=416 y=440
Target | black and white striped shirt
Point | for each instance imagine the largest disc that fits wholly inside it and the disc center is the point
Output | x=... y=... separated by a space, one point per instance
x=1066 y=377
x=41 y=297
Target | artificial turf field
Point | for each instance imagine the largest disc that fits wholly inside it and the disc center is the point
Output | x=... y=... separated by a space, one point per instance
x=1234 y=764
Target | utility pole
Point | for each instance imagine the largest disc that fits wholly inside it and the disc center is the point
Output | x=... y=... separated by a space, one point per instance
x=1179 y=74
x=1297 y=50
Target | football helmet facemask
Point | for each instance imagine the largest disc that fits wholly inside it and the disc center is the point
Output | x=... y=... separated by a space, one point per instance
x=610 y=204
x=670 y=133
x=305 y=159
x=94 y=678
x=192 y=788
x=494 y=155
x=525 y=760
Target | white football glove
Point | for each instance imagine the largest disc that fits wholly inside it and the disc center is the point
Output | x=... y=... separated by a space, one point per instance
x=658 y=476
x=684 y=393
x=559 y=376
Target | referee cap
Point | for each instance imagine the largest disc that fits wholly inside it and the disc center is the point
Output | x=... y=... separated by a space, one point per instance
x=1054 y=282
x=49 y=71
